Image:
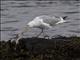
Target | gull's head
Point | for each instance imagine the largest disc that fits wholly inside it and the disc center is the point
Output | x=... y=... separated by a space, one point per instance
x=20 y=34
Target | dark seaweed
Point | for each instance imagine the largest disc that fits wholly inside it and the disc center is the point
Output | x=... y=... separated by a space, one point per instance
x=58 y=48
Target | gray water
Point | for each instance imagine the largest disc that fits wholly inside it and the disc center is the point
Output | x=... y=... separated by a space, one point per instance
x=16 y=14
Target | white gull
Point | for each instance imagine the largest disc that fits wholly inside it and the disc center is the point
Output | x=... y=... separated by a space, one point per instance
x=42 y=22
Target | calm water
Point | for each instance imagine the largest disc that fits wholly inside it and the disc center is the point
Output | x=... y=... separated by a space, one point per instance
x=16 y=14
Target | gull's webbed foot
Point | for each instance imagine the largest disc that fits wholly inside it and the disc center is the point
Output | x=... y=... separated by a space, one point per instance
x=46 y=36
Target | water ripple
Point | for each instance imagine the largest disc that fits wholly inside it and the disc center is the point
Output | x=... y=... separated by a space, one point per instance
x=74 y=24
x=9 y=22
x=3 y=9
x=72 y=12
x=75 y=31
x=9 y=29
x=77 y=19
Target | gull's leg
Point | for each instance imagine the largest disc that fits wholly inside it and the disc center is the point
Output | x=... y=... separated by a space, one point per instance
x=45 y=35
x=40 y=33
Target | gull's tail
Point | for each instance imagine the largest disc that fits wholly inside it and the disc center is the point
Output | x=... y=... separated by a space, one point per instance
x=64 y=17
x=62 y=20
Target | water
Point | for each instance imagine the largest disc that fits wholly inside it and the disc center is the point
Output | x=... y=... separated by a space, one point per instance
x=16 y=14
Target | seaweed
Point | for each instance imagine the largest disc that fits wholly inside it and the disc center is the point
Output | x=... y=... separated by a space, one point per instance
x=58 y=48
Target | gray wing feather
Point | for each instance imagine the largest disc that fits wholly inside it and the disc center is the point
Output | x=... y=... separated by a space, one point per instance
x=50 y=19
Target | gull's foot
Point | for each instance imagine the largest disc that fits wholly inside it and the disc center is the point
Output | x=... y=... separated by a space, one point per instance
x=46 y=36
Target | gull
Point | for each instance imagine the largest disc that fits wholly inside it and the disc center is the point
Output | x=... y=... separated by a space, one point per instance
x=42 y=22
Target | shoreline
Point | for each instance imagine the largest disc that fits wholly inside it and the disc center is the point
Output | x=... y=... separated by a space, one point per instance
x=59 y=48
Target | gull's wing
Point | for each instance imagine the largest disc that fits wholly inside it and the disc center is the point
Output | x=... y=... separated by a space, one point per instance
x=51 y=20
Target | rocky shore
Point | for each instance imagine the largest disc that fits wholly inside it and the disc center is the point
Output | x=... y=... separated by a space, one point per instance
x=58 y=48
